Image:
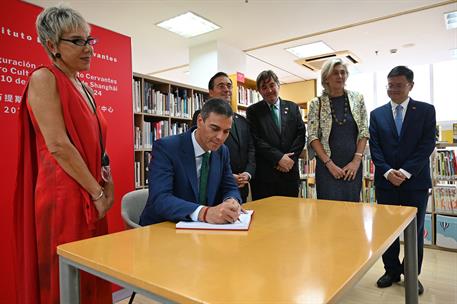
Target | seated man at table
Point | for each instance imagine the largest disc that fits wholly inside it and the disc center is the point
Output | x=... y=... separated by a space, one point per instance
x=189 y=174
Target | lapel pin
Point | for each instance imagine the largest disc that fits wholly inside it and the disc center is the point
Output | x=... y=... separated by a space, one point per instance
x=414 y=108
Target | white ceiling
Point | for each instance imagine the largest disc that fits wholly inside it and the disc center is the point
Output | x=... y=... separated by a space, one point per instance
x=264 y=28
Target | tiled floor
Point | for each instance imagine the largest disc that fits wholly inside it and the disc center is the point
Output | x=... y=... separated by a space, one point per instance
x=439 y=277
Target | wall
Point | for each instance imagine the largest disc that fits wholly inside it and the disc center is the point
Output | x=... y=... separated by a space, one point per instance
x=299 y=92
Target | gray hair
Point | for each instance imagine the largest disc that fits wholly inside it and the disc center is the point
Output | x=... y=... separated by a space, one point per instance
x=52 y=22
x=327 y=69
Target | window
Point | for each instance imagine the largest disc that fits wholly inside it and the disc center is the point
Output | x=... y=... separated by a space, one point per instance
x=363 y=83
x=445 y=90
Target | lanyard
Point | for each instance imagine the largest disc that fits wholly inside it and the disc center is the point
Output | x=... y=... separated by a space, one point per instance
x=104 y=156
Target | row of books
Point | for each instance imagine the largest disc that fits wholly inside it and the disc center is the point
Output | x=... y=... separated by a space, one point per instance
x=368 y=191
x=445 y=165
x=136 y=89
x=176 y=103
x=151 y=131
x=367 y=166
x=141 y=180
x=248 y=96
x=306 y=168
x=137 y=174
x=445 y=197
x=307 y=190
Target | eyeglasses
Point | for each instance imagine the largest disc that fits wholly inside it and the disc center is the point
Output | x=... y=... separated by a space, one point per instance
x=224 y=85
x=81 y=42
x=398 y=86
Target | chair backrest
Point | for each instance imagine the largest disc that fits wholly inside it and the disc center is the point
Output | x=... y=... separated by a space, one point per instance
x=132 y=205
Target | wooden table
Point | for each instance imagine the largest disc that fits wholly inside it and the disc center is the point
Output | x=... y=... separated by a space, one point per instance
x=296 y=251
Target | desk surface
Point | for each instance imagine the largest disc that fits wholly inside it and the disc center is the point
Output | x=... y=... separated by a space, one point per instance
x=297 y=250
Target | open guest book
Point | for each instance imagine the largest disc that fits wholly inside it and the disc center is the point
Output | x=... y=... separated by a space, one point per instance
x=242 y=224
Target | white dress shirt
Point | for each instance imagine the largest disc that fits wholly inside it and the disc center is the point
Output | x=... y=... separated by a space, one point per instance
x=198 y=152
x=394 y=106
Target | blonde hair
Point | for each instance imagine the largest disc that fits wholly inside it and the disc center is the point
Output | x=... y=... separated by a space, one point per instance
x=327 y=69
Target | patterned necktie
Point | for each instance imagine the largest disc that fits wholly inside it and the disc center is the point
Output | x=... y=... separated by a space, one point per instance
x=274 y=115
x=399 y=118
x=204 y=169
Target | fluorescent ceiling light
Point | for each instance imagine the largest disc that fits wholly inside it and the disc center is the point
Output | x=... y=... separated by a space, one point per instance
x=451 y=20
x=312 y=49
x=188 y=25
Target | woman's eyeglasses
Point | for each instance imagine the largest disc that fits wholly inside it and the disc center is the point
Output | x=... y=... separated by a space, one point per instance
x=82 y=42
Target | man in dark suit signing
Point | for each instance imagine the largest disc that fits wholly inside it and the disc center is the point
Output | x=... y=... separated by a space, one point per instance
x=189 y=174
x=239 y=141
x=402 y=137
x=279 y=136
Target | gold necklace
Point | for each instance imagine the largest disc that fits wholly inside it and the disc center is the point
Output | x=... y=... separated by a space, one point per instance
x=345 y=113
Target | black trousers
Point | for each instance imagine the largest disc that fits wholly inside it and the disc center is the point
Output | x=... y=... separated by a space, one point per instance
x=262 y=189
x=413 y=198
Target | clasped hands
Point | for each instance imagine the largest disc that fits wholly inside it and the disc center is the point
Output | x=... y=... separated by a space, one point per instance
x=241 y=179
x=347 y=173
x=285 y=163
x=396 y=177
x=226 y=212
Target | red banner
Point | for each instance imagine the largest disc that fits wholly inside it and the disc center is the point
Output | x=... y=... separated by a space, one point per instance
x=110 y=77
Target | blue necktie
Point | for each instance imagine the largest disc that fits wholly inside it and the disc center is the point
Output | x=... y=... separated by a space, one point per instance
x=399 y=118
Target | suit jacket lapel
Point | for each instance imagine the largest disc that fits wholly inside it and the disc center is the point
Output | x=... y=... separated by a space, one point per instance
x=188 y=160
x=235 y=132
x=284 y=111
x=390 y=119
x=409 y=117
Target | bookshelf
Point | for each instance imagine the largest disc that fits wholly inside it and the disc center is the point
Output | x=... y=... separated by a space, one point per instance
x=307 y=170
x=444 y=196
x=368 y=190
x=160 y=108
x=244 y=93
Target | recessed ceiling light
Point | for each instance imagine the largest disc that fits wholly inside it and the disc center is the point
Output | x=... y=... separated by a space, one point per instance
x=188 y=25
x=450 y=19
x=311 y=49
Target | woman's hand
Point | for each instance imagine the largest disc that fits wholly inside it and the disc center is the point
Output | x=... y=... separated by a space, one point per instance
x=350 y=170
x=104 y=203
x=334 y=170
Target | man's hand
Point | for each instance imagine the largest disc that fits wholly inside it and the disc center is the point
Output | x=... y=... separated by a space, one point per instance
x=285 y=163
x=241 y=179
x=226 y=212
x=396 y=177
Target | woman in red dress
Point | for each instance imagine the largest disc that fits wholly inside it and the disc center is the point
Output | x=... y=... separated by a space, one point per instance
x=64 y=187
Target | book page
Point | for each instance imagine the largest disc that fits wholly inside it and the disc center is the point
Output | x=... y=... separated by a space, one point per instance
x=242 y=224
